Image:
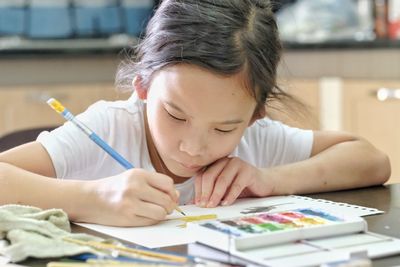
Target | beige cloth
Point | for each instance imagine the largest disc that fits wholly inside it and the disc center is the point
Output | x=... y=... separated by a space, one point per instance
x=31 y=232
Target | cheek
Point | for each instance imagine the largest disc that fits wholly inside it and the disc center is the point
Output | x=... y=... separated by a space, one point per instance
x=163 y=132
x=222 y=146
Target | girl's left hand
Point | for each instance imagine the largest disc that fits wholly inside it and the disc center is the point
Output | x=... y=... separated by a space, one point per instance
x=228 y=179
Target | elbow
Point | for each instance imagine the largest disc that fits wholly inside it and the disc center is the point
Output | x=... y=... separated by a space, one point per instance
x=4 y=174
x=4 y=170
x=382 y=168
x=388 y=169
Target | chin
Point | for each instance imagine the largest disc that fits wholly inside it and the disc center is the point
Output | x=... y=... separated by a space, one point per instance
x=182 y=172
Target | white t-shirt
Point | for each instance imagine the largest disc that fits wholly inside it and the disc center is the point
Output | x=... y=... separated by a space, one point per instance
x=121 y=124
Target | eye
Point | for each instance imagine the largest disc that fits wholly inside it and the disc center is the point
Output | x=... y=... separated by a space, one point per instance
x=174 y=117
x=225 y=131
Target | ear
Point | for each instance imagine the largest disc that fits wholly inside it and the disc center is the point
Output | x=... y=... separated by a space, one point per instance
x=259 y=113
x=139 y=88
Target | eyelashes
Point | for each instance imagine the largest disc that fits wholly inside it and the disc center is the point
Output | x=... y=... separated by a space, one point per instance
x=173 y=117
x=224 y=131
x=177 y=119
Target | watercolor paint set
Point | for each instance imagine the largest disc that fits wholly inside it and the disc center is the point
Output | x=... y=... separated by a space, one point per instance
x=293 y=237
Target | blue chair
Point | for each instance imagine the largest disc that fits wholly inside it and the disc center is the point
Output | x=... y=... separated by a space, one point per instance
x=136 y=15
x=12 y=19
x=49 y=21
x=20 y=137
x=97 y=20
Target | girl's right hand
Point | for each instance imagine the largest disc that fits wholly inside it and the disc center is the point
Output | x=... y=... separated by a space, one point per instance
x=133 y=198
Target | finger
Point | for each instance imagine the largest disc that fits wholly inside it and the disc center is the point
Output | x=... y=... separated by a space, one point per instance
x=178 y=194
x=151 y=211
x=208 y=180
x=153 y=195
x=237 y=187
x=163 y=183
x=223 y=183
x=142 y=221
x=197 y=188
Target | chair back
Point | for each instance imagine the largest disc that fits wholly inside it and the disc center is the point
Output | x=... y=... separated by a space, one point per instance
x=20 y=137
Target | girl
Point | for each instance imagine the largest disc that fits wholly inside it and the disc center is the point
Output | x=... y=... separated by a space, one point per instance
x=194 y=128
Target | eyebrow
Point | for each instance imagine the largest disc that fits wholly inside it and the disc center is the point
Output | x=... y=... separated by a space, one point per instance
x=234 y=121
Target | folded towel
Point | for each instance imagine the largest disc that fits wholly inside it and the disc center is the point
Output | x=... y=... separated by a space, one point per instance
x=32 y=232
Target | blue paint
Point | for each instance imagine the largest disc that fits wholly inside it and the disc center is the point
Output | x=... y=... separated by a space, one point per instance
x=320 y=214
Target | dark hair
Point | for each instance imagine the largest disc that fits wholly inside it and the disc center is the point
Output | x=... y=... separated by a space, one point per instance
x=222 y=36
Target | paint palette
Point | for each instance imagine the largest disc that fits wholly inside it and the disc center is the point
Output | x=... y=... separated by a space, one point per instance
x=270 y=228
x=273 y=222
x=297 y=237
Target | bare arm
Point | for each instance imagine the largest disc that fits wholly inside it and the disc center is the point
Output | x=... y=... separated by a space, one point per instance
x=132 y=198
x=338 y=161
x=25 y=178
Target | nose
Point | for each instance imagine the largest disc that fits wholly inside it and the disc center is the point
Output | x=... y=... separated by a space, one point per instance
x=193 y=143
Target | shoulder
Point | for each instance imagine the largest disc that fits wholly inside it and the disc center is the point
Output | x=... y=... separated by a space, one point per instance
x=267 y=142
x=130 y=106
x=272 y=129
x=109 y=113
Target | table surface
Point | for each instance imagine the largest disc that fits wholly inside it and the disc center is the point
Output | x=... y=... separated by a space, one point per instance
x=386 y=198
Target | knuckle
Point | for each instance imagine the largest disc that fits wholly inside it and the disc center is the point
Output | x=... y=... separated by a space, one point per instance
x=217 y=196
x=206 y=175
x=236 y=189
x=223 y=181
x=235 y=160
x=170 y=183
x=205 y=194
x=133 y=189
x=166 y=201
x=160 y=214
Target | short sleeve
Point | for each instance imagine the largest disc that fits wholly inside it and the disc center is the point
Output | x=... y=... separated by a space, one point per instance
x=270 y=143
x=71 y=151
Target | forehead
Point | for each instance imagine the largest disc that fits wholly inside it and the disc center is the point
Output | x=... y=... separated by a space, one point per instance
x=193 y=78
x=196 y=90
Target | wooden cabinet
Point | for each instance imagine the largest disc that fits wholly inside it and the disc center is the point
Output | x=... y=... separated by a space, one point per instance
x=361 y=112
x=23 y=107
x=350 y=105
x=304 y=114
x=377 y=121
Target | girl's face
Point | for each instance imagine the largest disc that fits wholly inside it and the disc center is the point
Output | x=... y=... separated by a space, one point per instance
x=196 y=117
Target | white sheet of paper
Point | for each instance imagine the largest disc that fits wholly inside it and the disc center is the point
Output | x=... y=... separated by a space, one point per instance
x=168 y=232
x=4 y=260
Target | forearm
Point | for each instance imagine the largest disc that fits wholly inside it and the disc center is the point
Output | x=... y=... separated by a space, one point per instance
x=18 y=186
x=345 y=165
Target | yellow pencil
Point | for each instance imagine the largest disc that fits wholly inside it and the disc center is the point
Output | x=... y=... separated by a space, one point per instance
x=101 y=264
x=143 y=252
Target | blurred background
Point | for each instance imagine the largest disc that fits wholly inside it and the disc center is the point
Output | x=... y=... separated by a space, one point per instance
x=341 y=58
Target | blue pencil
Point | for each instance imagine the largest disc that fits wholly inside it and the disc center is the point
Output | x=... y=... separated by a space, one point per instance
x=59 y=108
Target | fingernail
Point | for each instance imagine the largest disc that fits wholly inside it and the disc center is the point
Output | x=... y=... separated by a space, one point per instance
x=203 y=204
x=224 y=203
x=210 y=204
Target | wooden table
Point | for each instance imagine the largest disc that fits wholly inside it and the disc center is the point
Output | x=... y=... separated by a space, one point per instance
x=386 y=198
